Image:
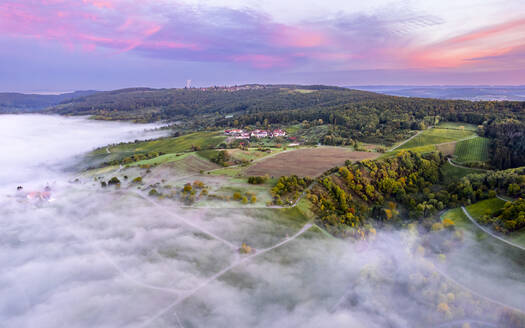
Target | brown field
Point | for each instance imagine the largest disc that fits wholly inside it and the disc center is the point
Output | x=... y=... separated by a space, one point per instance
x=307 y=162
x=447 y=148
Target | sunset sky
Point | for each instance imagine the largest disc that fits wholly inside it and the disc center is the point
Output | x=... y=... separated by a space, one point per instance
x=62 y=45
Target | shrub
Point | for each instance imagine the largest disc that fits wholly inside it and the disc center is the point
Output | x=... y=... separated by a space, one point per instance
x=187 y=188
x=114 y=181
x=153 y=192
x=437 y=226
x=137 y=180
x=236 y=195
x=448 y=223
x=198 y=184
x=257 y=179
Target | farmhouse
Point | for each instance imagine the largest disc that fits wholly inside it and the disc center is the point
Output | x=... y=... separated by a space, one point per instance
x=259 y=133
x=278 y=133
x=243 y=135
x=233 y=132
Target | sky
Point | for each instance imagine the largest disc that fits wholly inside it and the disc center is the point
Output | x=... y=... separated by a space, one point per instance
x=64 y=45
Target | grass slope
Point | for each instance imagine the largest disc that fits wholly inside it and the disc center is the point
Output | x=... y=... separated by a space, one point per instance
x=166 y=145
x=472 y=150
x=487 y=206
x=436 y=136
x=452 y=173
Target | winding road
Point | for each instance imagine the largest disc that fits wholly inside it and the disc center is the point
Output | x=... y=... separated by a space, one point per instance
x=487 y=231
x=404 y=142
x=465 y=167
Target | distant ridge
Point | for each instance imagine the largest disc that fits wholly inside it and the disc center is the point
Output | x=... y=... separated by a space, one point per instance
x=13 y=102
x=474 y=92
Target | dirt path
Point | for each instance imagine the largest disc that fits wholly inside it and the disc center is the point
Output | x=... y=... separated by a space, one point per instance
x=488 y=231
x=224 y=271
x=187 y=222
x=457 y=283
x=404 y=142
x=507 y=199
x=465 y=167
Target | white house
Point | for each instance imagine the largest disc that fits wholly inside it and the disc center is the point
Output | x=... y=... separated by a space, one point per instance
x=279 y=133
x=259 y=134
x=244 y=135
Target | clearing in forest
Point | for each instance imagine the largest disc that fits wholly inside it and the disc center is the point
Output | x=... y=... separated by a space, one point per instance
x=307 y=162
x=472 y=150
x=485 y=207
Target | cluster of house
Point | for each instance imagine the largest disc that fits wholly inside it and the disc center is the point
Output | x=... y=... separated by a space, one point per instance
x=34 y=195
x=231 y=88
x=241 y=134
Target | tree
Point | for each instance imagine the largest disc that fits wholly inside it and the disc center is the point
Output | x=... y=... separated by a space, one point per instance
x=187 y=188
x=114 y=181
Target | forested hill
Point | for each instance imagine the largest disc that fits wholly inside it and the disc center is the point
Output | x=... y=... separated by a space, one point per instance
x=351 y=114
x=280 y=104
x=11 y=102
x=144 y=104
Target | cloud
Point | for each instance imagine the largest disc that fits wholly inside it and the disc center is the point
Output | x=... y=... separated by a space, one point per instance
x=179 y=32
x=477 y=47
x=252 y=42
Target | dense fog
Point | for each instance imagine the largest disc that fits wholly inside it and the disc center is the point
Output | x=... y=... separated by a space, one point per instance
x=117 y=258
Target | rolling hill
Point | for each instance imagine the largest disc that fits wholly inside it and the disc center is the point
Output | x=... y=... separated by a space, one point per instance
x=11 y=102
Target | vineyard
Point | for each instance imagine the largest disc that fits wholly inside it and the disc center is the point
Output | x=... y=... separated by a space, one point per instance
x=472 y=150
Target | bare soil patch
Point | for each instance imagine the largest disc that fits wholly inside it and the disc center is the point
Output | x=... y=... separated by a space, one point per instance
x=307 y=162
x=447 y=149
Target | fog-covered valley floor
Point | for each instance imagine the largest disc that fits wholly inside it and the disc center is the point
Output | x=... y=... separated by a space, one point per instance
x=110 y=257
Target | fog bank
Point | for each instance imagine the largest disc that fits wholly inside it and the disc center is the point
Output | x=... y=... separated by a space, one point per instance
x=112 y=257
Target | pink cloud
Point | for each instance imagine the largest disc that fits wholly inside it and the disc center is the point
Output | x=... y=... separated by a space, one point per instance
x=298 y=37
x=485 y=43
x=157 y=29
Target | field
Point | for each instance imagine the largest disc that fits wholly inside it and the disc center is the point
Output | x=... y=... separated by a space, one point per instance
x=453 y=173
x=436 y=136
x=166 y=145
x=447 y=148
x=457 y=126
x=458 y=217
x=251 y=154
x=472 y=150
x=306 y=162
x=174 y=145
x=487 y=206
x=490 y=207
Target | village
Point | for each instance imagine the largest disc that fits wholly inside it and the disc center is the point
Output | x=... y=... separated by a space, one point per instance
x=242 y=134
